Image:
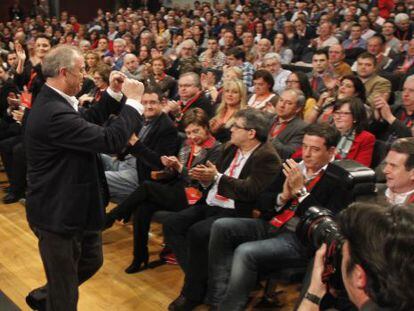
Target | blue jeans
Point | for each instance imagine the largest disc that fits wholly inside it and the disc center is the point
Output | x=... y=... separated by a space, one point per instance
x=239 y=250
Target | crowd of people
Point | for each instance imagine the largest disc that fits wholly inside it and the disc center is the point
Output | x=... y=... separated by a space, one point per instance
x=228 y=116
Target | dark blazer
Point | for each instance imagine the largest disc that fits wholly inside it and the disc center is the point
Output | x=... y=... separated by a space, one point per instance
x=64 y=187
x=162 y=139
x=290 y=139
x=387 y=132
x=260 y=170
x=328 y=193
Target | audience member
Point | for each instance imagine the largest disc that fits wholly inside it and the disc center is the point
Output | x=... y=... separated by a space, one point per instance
x=247 y=167
x=240 y=249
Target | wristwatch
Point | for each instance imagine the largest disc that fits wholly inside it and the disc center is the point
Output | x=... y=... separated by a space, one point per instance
x=303 y=191
x=313 y=298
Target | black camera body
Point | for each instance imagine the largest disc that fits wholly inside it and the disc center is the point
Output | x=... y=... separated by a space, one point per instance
x=316 y=227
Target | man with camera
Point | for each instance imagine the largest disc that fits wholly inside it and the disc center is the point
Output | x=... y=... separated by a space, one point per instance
x=240 y=249
x=376 y=264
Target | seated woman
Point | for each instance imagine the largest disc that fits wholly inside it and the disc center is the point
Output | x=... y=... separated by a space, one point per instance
x=349 y=86
x=280 y=46
x=263 y=95
x=350 y=119
x=234 y=99
x=172 y=190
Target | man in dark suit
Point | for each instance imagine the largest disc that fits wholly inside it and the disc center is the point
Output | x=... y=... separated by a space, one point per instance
x=399 y=175
x=287 y=130
x=65 y=196
x=157 y=136
x=248 y=165
x=240 y=248
x=191 y=96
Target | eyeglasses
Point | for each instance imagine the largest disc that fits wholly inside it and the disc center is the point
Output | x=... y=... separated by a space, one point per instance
x=236 y=126
x=185 y=85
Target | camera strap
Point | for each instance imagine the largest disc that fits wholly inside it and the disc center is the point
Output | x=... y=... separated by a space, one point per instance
x=282 y=218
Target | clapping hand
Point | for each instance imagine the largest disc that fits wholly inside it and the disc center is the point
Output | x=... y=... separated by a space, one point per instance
x=204 y=173
x=172 y=162
x=384 y=110
x=294 y=176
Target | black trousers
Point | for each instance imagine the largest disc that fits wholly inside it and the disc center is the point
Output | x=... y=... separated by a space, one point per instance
x=149 y=198
x=68 y=260
x=188 y=234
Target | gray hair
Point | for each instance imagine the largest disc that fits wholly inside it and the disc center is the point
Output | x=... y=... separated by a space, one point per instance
x=300 y=96
x=62 y=56
x=410 y=77
x=129 y=55
x=120 y=41
x=195 y=76
x=272 y=55
x=84 y=43
x=401 y=17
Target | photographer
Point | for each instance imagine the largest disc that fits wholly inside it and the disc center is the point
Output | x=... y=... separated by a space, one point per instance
x=376 y=259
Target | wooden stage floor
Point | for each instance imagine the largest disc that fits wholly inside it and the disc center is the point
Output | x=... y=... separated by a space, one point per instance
x=21 y=269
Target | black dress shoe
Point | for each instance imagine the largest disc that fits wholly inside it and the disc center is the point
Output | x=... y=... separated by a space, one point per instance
x=109 y=221
x=135 y=266
x=11 y=198
x=181 y=303
x=36 y=304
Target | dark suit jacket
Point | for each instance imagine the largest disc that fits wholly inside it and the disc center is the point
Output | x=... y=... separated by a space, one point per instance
x=64 y=190
x=162 y=139
x=290 y=139
x=258 y=173
x=328 y=193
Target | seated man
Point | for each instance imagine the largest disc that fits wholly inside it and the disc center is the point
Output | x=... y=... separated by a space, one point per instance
x=399 y=175
x=320 y=69
x=395 y=122
x=287 y=130
x=240 y=248
x=157 y=136
x=375 y=278
x=248 y=166
x=273 y=63
x=374 y=84
x=190 y=96
x=336 y=61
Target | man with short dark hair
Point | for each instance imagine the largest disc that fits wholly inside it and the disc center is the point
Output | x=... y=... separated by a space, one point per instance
x=375 y=268
x=212 y=57
x=237 y=57
x=320 y=67
x=241 y=248
x=373 y=83
x=248 y=165
x=355 y=41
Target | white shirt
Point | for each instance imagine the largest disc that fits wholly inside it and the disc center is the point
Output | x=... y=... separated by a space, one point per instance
x=73 y=101
x=397 y=198
x=236 y=165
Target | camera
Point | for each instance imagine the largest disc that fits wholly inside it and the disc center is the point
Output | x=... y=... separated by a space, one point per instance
x=316 y=227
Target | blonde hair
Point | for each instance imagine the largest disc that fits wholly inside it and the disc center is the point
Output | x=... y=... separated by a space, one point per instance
x=232 y=84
